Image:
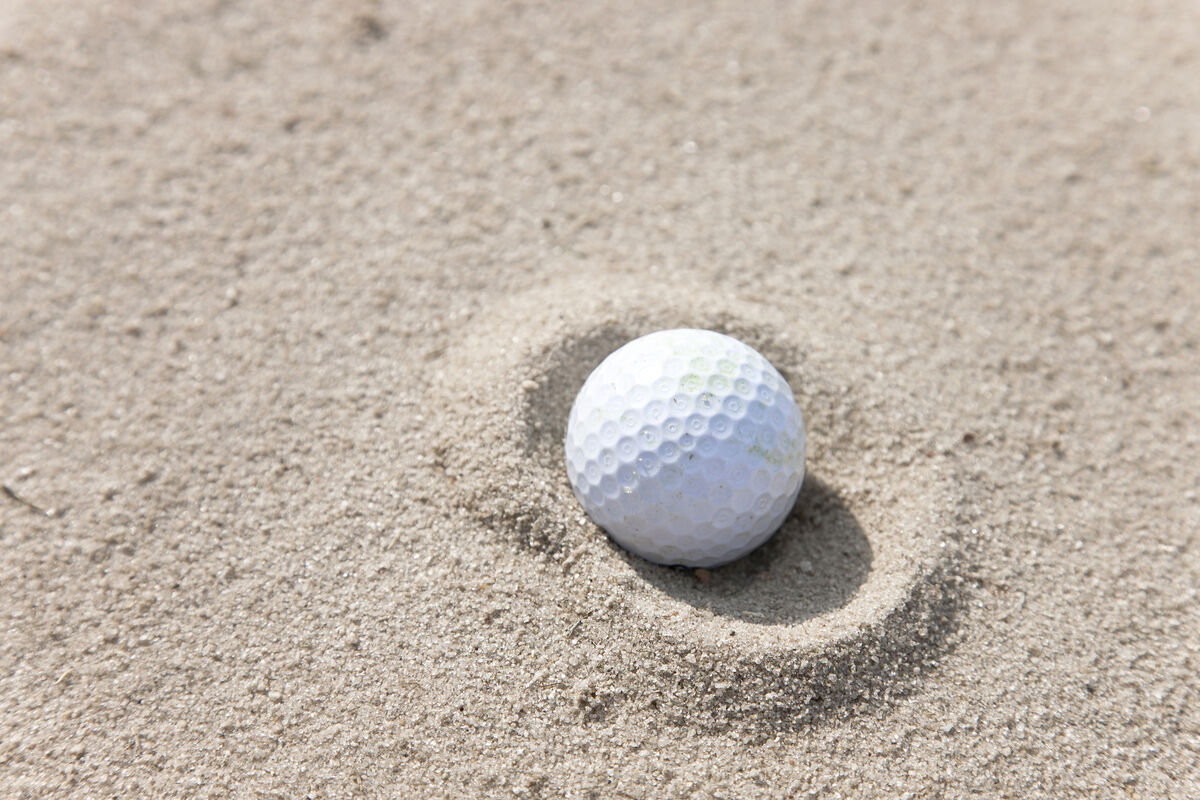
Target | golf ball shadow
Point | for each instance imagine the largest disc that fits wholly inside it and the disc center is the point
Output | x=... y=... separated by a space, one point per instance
x=813 y=565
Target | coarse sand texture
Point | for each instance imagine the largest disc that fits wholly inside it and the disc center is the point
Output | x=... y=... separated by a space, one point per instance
x=296 y=299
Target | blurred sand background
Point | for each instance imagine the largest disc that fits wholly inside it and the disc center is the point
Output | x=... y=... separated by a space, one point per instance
x=294 y=299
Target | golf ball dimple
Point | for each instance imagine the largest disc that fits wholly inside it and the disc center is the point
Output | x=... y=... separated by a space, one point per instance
x=687 y=447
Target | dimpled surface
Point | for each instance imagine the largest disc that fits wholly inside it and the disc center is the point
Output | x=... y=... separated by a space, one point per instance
x=687 y=447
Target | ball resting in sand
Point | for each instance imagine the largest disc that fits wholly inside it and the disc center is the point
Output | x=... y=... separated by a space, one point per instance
x=687 y=447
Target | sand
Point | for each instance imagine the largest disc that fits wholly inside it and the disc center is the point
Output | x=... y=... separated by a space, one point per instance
x=294 y=300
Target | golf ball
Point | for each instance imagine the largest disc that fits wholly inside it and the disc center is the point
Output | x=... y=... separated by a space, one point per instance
x=687 y=447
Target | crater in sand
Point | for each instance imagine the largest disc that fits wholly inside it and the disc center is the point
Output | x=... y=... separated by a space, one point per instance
x=852 y=595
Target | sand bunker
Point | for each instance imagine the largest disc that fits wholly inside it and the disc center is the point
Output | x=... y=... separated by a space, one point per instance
x=294 y=299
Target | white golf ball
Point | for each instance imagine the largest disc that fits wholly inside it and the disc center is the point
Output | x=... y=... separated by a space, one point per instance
x=687 y=447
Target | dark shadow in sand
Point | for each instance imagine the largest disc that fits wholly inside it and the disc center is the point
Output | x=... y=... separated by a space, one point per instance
x=813 y=565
